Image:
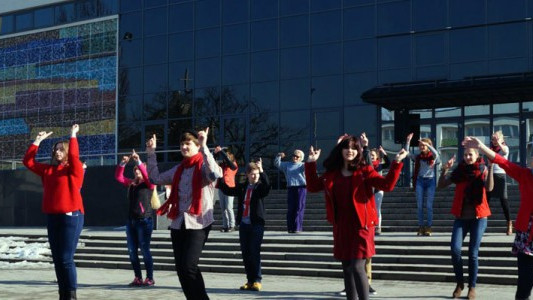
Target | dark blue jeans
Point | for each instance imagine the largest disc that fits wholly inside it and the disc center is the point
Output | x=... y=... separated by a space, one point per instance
x=139 y=235
x=63 y=234
x=525 y=276
x=425 y=192
x=476 y=227
x=296 y=196
x=251 y=238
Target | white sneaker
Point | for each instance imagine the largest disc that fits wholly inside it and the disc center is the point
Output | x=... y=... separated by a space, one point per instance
x=342 y=293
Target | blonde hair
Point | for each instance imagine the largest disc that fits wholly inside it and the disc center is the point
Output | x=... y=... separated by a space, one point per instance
x=498 y=134
x=251 y=167
x=427 y=140
x=300 y=154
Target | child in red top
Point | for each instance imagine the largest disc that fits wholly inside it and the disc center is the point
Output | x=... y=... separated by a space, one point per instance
x=350 y=207
x=62 y=180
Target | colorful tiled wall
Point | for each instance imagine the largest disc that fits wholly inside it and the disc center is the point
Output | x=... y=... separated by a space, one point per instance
x=52 y=79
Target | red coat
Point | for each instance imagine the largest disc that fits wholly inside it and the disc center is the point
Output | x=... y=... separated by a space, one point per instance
x=524 y=176
x=364 y=179
x=61 y=183
x=482 y=210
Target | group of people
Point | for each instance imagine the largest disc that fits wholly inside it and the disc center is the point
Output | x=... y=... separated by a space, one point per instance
x=353 y=189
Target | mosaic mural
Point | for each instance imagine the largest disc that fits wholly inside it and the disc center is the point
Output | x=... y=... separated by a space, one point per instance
x=52 y=79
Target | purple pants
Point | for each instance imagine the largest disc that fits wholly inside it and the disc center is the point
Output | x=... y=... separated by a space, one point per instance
x=295 y=207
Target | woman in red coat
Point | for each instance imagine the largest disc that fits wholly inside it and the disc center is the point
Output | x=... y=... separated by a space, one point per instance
x=350 y=206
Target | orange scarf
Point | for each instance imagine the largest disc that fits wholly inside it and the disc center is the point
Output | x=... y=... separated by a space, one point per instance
x=171 y=206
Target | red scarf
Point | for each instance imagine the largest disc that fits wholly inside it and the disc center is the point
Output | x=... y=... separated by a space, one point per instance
x=428 y=158
x=473 y=175
x=171 y=206
x=375 y=164
x=496 y=148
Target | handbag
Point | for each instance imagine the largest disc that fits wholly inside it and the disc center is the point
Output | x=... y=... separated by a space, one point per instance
x=154 y=201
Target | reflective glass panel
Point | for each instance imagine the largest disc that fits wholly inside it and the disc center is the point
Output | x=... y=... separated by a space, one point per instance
x=360 y=55
x=43 y=17
x=129 y=137
x=478 y=127
x=317 y=5
x=447 y=112
x=155 y=21
x=235 y=69
x=529 y=141
x=206 y=103
x=264 y=35
x=129 y=108
x=295 y=94
x=180 y=17
x=294 y=31
x=207 y=72
x=468 y=44
x=155 y=106
x=463 y=13
x=448 y=140
x=235 y=11
x=265 y=66
x=394 y=52
x=131 y=53
x=326 y=91
x=207 y=13
x=208 y=42
x=357 y=120
x=326 y=27
x=356 y=84
x=8 y=25
x=508 y=40
x=155 y=50
x=64 y=13
x=234 y=99
x=359 y=22
x=265 y=96
x=176 y=128
x=294 y=62
x=262 y=9
x=326 y=124
x=181 y=46
x=294 y=125
x=181 y=76
x=155 y=78
x=130 y=26
x=326 y=59
x=235 y=38
x=430 y=49
x=179 y=104
x=477 y=110
x=394 y=17
x=501 y=11
x=506 y=108
x=527 y=106
x=429 y=14
x=293 y=7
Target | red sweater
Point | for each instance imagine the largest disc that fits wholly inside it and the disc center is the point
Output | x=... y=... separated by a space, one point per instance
x=364 y=179
x=61 y=183
x=524 y=176
x=482 y=209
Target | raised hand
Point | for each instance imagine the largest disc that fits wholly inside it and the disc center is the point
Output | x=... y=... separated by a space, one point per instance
x=342 y=137
x=313 y=154
x=259 y=164
x=125 y=160
x=217 y=149
x=151 y=144
x=449 y=163
x=41 y=137
x=364 y=140
x=281 y=155
x=421 y=142
x=382 y=150
x=401 y=155
x=74 y=130
x=135 y=156
x=202 y=137
x=471 y=142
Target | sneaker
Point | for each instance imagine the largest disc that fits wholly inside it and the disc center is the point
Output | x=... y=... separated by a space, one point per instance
x=223 y=229
x=257 y=286
x=371 y=291
x=136 y=282
x=148 y=282
x=246 y=287
x=471 y=293
x=342 y=293
x=458 y=289
x=230 y=229
x=428 y=231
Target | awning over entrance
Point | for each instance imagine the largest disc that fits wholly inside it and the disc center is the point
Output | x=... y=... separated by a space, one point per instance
x=502 y=88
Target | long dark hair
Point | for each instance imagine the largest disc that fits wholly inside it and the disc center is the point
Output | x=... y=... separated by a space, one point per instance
x=54 y=161
x=335 y=161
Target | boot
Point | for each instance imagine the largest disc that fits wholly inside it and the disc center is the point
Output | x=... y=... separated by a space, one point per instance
x=509 y=227
x=421 y=230
x=458 y=289
x=428 y=231
x=471 y=293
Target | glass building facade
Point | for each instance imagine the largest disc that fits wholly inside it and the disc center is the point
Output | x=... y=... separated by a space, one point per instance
x=274 y=75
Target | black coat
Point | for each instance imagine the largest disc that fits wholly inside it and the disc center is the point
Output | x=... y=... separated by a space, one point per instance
x=257 y=205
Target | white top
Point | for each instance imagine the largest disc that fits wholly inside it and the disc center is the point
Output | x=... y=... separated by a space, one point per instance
x=505 y=153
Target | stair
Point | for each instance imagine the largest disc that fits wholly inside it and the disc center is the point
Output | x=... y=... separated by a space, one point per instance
x=401 y=255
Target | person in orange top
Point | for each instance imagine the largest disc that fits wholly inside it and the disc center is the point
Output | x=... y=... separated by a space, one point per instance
x=348 y=185
x=229 y=169
x=470 y=207
x=62 y=180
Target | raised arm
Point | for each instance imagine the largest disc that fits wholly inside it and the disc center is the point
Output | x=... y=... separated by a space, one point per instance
x=388 y=182
x=76 y=166
x=142 y=168
x=489 y=177
x=314 y=183
x=386 y=160
x=278 y=163
x=119 y=172
x=263 y=189
x=29 y=158
x=164 y=178
x=444 y=180
x=211 y=169
x=225 y=158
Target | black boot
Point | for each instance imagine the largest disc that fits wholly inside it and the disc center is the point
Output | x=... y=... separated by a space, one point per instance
x=71 y=295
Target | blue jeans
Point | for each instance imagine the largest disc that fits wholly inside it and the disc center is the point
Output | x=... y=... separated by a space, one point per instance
x=139 y=235
x=425 y=190
x=525 y=276
x=251 y=238
x=476 y=227
x=226 y=205
x=63 y=234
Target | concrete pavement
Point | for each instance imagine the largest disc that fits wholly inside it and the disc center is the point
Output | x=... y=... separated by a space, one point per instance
x=112 y=284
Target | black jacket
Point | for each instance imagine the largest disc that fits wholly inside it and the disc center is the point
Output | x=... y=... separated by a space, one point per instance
x=257 y=205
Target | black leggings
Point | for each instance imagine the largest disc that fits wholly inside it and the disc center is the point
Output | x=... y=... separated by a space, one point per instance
x=355 y=280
